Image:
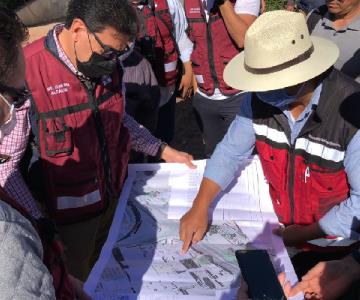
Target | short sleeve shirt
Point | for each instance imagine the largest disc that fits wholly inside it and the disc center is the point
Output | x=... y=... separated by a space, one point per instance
x=250 y=7
x=348 y=41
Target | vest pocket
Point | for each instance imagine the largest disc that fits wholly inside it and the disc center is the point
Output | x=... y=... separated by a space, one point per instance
x=270 y=167
x=329 y=188
x=58 y=138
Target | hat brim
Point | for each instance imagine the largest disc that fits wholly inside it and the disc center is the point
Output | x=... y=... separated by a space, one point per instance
x=323 y=57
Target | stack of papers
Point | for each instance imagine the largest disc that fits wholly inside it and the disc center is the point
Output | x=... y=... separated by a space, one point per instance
x=246 y=199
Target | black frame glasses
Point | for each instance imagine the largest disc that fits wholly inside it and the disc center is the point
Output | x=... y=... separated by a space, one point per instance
x=110 y=52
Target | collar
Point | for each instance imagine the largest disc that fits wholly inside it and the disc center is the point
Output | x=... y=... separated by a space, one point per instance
x=314 y=101
x=353 y=25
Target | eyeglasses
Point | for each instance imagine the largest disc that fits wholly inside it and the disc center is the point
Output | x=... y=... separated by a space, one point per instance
x=18 y=96
x=110 y=52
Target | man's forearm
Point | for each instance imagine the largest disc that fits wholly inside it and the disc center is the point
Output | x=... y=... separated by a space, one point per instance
x=207 y=193
x=235 y=25
x=188 y=68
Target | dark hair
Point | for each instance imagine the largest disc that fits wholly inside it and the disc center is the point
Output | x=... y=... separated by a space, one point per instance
x=98 y=14
x=12 y=34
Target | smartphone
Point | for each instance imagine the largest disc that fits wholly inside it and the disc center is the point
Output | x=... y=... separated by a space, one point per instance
x=259 y=274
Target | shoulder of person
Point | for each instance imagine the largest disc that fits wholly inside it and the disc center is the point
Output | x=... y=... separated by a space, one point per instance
x=24 y=274
x=348 y=96
x=315 y=16
x=13 y=222
x=136 y=59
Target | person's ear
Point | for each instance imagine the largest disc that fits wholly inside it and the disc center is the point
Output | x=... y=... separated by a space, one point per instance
x=78 y=29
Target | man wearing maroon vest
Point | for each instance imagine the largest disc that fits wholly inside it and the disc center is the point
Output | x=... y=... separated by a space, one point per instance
x=82 y=133
x=31 y=258
x=217 y=29
x=303 y=122
x=163 y=41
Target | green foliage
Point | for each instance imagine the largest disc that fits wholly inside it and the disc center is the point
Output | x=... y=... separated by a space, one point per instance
x=275 y=4
x=13 y=4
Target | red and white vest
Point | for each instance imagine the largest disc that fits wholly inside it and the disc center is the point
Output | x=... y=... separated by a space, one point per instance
x=160 y=28
x=83 y=145
x=307 y=178
x=213 y=48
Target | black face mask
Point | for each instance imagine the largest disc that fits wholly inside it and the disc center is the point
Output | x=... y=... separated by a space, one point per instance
x=97 y=66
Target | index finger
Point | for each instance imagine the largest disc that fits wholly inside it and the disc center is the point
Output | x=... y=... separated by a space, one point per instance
x=187 y=241
x=302 y=286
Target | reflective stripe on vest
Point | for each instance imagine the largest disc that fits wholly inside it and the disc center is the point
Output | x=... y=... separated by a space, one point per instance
x=213 y=48
x=67 y=202
x=310 y=147
x=169 y=67
x=317 y=149
x=270 y=133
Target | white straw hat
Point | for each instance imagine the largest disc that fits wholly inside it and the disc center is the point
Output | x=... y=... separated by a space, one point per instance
x=279 y=52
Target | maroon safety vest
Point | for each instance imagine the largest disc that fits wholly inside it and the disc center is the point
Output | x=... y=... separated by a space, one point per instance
x=159 y=27
x=83 y=145
x=213 y=48
x=307 y=178
x=52 y=249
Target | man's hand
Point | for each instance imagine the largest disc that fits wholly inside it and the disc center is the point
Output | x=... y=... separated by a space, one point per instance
x=295 y=235
x=242 y=293
x=171 y=155
x=78 y=287
x=328 y=280
x=186 y=84
x=193 y=226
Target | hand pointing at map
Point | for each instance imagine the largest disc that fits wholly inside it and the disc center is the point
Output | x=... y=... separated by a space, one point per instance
x=194 y=223
x=193 y=226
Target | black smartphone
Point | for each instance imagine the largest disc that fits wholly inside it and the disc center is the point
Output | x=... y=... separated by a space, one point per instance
x=259 y=274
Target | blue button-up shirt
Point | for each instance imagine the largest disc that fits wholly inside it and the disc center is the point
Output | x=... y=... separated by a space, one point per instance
x=239 y=142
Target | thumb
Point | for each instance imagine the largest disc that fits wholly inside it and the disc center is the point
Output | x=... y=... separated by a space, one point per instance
x=188 y=158
x=279 y=231
x=190 y=164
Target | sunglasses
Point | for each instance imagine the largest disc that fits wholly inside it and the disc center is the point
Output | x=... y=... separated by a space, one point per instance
x=18 y=96
x=110 y=52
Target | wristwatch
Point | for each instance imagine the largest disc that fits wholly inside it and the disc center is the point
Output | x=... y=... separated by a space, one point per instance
x=160 y=150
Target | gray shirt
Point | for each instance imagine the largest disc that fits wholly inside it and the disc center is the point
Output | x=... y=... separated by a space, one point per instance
x=348 y=41
x=23 y=275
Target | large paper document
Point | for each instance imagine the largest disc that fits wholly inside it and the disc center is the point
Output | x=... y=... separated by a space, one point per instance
x=247 y=197
x=141 y=258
